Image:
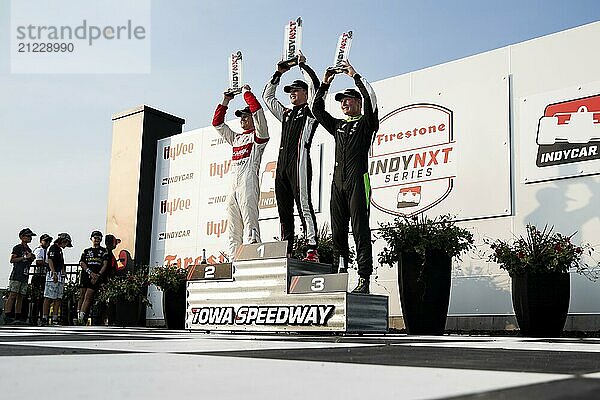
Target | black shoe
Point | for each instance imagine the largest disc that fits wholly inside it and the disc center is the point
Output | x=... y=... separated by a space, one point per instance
x=362 y=287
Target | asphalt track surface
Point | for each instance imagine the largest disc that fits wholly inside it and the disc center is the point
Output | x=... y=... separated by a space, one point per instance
x=146 y=363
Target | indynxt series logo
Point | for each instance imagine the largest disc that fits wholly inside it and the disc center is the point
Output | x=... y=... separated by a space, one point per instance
x=412 y=162
x=264 y=315
x=569 y=132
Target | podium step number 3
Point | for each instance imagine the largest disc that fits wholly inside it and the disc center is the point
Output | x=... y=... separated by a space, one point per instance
x=319 y=283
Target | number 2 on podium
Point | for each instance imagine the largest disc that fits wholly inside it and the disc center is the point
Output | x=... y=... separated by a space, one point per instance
x=209 y=272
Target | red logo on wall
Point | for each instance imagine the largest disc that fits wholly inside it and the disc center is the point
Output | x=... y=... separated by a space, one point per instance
x=412 y=162
x=267 y=186
x=569 y=132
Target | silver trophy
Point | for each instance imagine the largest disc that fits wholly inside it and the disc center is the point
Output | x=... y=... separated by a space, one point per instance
x=234 y=64
x=292 y=43
x=341 y=53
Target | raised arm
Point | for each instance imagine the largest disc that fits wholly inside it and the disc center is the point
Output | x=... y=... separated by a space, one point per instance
x=370 y=112
x=219 y=120
x=318 y=108
x=311 y=79
x=274 y=105
x=258 y=114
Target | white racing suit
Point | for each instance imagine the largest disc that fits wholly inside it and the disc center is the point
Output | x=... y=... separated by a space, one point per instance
x=248 y=148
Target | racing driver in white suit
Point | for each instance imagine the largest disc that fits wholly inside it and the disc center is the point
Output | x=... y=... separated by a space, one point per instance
x=248 y=148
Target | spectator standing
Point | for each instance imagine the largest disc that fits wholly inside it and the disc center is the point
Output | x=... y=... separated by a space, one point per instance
x=94 y=265
x=21 y=258
x=55 y=278
x=38 y=278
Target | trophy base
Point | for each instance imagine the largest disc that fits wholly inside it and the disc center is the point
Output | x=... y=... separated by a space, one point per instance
x=232 y=92
x=337 y=70
x=288 y=63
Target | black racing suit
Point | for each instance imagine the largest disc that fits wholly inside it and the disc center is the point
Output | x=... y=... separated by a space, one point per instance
x=351 y=188
x=294 y=169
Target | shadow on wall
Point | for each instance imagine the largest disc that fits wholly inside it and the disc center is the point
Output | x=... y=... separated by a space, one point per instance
x=476 y=291
x=568 y=204
x=573 y=205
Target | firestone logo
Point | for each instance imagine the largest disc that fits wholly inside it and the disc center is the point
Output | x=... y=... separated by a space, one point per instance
x=569 y=132
x=412 y=162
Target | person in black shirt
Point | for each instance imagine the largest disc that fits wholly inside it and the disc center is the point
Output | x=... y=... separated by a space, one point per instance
x=55 y=278
x=351 y=189
x=94 y=265
x=21 y=258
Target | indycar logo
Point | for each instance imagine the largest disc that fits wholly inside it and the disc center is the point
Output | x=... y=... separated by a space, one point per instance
x=412 y=162
x=569 y=132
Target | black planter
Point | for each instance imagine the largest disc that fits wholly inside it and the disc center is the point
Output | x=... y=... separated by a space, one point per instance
x=128 y=313
x=541 y=303
x=424 y=291
x=174 y=305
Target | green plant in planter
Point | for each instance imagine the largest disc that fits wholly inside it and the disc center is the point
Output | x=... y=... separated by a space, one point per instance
x=168 y=277
x=538 y=264
x=421 y=234
x=130 y=287
x=423 y=249
x=324 y=247
x=540 y=251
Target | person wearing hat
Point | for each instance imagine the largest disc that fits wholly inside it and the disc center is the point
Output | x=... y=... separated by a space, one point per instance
x=38 y=279
x=94 y=267
x=21 y=258
x=55 y=278
x=248 y=148
x=294 y=169
x=351 y=189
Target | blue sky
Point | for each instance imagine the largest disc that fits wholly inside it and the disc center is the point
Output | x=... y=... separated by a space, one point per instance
x=56 y=129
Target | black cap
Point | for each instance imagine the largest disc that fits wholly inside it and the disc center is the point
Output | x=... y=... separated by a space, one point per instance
x=297 y=84
x=111 y=239
x=45 y=236
x=26 y=232
x=245 y=110
x=65 y=236
x=352 y=93
x=96 y=233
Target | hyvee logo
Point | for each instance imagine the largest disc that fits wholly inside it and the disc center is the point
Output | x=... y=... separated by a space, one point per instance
x=412 y=161
x=219 y=169
x=180 y=149
x=569 y=132
x=174 y=205
x=267 y=186
x=216 y=228
x=174 y=234
x=167 y=180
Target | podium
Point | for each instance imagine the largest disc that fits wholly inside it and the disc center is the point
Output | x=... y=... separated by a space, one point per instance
x=264 y=291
